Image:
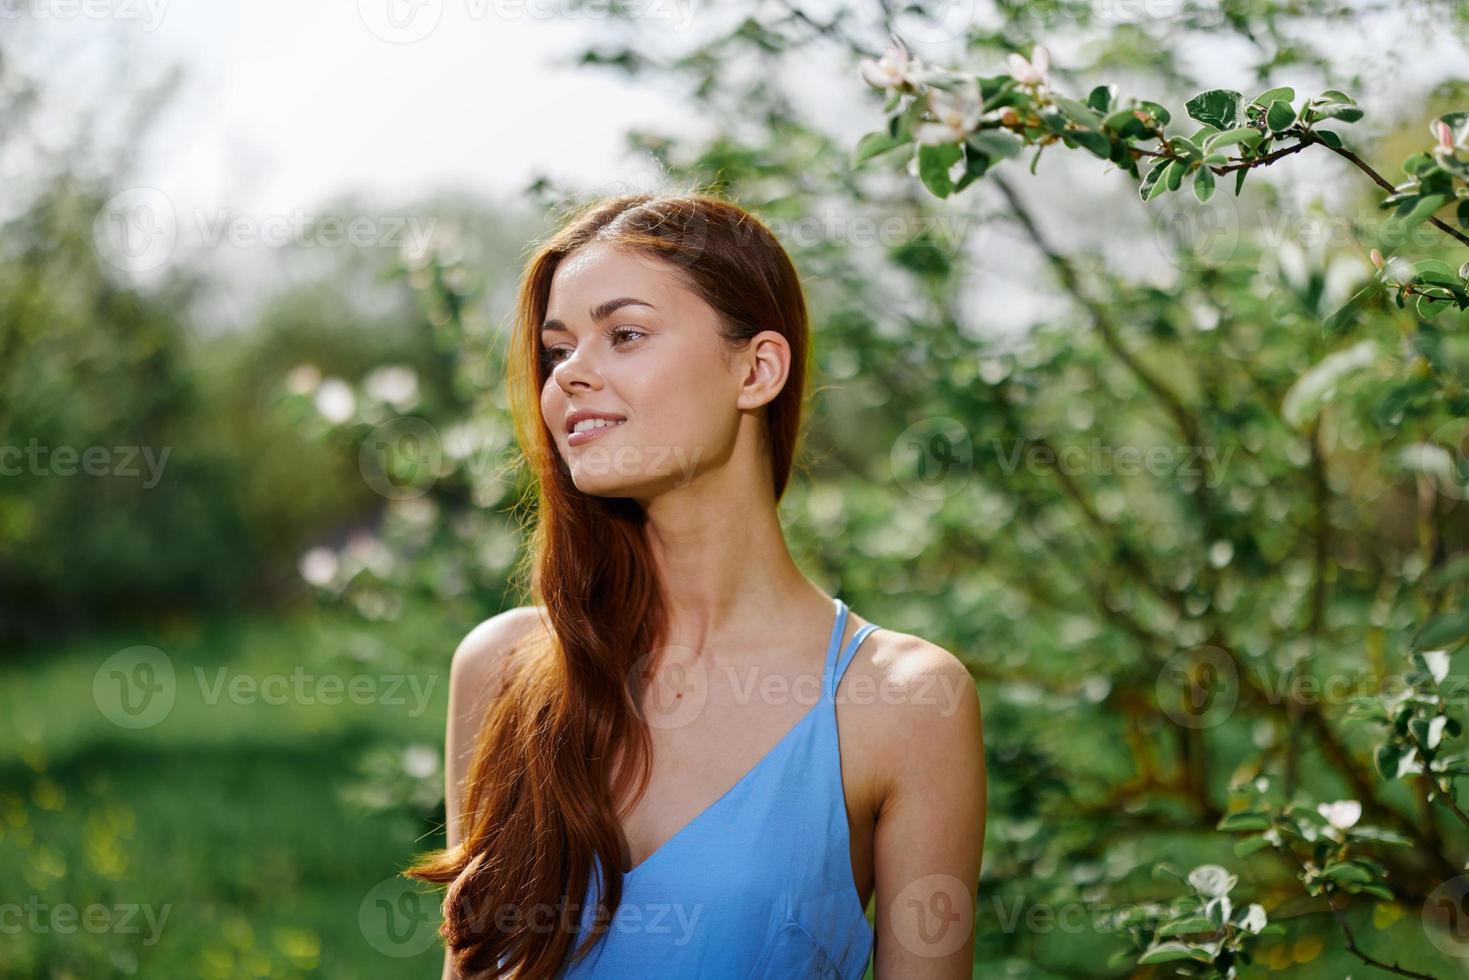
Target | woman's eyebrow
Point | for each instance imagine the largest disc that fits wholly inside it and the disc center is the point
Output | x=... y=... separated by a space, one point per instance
x=600 y=312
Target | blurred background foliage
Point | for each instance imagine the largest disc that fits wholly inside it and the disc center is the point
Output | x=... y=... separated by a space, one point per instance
x=340 y=493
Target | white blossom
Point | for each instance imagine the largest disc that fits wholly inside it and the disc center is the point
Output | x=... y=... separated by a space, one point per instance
x=395 y=384
x=319 y=566
x=1341 y=814
x=303 y=379
x=1033 y=71
x=956 y=114
x=892 y=70
x=335 y=401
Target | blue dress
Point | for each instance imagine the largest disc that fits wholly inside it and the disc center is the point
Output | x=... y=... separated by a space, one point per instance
x=759 y=884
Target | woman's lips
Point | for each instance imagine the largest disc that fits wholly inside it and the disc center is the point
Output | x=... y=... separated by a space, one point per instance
x=577 y=438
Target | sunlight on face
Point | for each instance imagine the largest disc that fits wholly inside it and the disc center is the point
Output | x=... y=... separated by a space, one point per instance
x=625 y=337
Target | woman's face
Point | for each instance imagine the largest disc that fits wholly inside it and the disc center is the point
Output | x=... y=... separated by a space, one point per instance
x=624 y=337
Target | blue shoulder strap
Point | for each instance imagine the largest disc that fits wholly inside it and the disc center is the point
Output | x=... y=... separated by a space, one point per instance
x=833 y=678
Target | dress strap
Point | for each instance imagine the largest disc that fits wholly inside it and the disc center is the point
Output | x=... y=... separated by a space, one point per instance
x=833 y=645
x=836 y=665
x=850 y=653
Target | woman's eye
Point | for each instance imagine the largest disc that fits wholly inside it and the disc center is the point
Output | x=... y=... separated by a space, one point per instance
x=552 y=355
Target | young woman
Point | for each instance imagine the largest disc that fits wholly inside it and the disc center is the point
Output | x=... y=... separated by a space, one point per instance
x=688 y=760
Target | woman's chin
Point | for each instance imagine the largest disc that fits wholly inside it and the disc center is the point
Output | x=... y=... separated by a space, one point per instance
x=595 y=483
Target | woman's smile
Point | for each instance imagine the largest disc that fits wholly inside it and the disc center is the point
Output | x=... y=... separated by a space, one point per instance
x=587 y=435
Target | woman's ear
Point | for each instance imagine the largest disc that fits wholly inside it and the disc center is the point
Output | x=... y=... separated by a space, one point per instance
x=766 y=363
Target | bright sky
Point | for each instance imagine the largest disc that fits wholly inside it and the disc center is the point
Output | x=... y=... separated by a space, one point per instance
x=286 y=103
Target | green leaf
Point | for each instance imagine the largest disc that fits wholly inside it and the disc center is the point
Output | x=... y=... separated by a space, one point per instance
x=993 y=87
x=1351 y=308
x=901 y=125
x=1054 y=119
x=1187 y=147
x=976 y=164
x=933 y=167
x=1102 y=97
x=1345 y=112
x=1239 y=179
x=1096 y=143
x=1174 y=174
x=996 y=143
x=1151 y=187
x=1251 y=844
x=1125 y=122
x=1329 y=138
x=1280 y=116
x=1421 y=210
x=1284 y=93
x=1168 y=952
x=1155 y=110
x=1380 y=835
x=1078 y=112
x=1430 y=307
x=1217 y=107
x=1204 y=184
x=1442 y=630
x=1239 y=134
x=1452 y=164
x=871 y=144
x=1392 y=760
x=1417 y=162
x=1463 y=213
x=1345 y=871
x=1434 y=271
x=1182 y=927
x=1404 y=202
x=1244 y=820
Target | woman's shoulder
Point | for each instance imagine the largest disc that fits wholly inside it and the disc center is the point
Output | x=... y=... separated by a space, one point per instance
x=914 y=672
x=917 y=699
x=481 y=657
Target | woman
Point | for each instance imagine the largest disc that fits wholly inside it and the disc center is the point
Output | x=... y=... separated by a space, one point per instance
x=753 y=762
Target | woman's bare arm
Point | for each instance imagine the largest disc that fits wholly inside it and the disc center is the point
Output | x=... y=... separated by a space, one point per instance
x=930 y=827
x=475 y=675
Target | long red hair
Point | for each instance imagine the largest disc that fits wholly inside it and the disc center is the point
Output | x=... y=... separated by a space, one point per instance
x=538 y=801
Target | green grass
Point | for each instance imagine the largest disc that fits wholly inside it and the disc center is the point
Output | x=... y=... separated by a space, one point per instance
x=251 y=833
x=232 y=823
